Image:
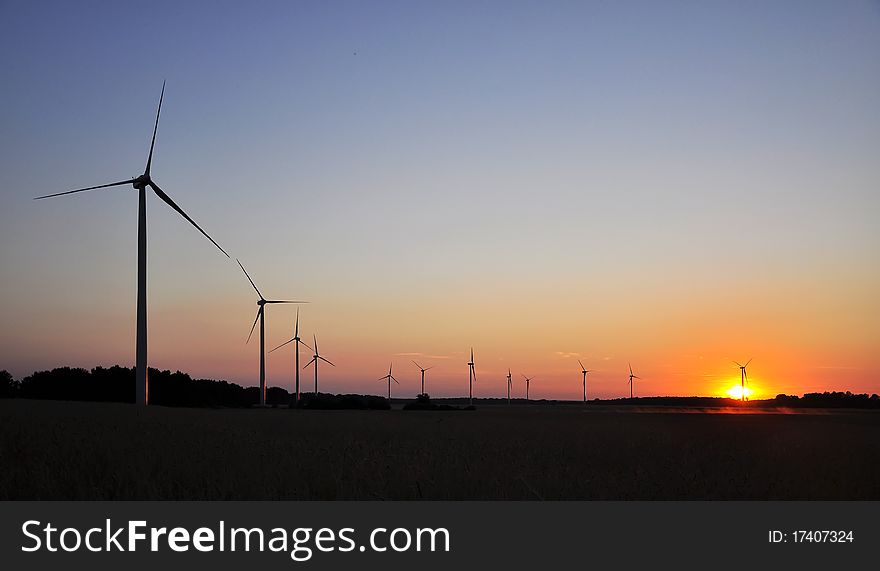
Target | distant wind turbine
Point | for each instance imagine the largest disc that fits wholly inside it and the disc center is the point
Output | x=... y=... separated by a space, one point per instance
x=584 y=370
x=140 y=184
x=261 y=317
x=528 y=381
x=315 y=359
x=472 y=376
x=631 y=377
x=509 y=385
x=743 y=376
x=389 y=377
x=298 y=342
x=422 y=369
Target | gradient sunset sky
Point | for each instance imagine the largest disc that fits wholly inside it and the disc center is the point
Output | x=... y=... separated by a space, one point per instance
x=672 y=184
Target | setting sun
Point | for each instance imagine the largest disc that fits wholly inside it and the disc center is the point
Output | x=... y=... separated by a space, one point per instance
x=737 y=392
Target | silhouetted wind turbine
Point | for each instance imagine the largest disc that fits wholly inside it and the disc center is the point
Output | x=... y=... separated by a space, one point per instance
x=742 y=378
x=141 y=183
x=389 y=377
x=509 y=385
x=261 y=317
x=528 y=380
x=422 y=369
x=631 y=377
x=315 y=361
x=298 y=342
x=584 y=370
x=472 y=376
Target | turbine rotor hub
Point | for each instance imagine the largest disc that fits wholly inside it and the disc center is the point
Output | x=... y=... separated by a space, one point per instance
x=141 y=182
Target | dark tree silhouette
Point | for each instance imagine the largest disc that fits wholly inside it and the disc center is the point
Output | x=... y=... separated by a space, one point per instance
x=8 y=385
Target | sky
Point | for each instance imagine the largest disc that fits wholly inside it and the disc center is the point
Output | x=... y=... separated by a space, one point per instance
x=674 y=185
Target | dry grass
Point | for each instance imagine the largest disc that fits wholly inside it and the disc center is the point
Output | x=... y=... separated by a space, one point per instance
x=54 y=450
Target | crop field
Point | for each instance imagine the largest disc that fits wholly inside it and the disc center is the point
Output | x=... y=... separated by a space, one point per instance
x=69 y=450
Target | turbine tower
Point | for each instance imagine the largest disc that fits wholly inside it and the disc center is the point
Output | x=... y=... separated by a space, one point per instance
x=140 y=183
x=509 y=385
x=315 y=359
x=298 y=342
x=472 y=376
x=631 y=377
x=528 y=381
x=422 y=369
x=743 y=376
x=389 y=377
x=261 y=317
x=584 y=370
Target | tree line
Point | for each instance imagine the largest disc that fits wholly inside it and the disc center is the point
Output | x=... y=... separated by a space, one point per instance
x=117 y=384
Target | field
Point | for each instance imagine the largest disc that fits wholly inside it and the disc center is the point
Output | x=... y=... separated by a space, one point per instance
x=68 y=450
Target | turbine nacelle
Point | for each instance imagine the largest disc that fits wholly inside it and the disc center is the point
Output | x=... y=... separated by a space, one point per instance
x=141 y=182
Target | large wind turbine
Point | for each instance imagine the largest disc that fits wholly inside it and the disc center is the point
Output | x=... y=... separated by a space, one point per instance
x=389 y=377
x=528 y=381
x=631 y=377
x=140 y=183
x=472 y=376
x=422 y=369
x=261 y=317
x=298 y=342
x=742 y=378
x=509 y=385
x=584 y=370
x=315 y=361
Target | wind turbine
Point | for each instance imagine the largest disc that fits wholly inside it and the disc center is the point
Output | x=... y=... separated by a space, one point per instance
x=140 y=183
x=742 y=378
x=315 y=361
x=631 y=377
x=584 y=370
x=422 y=369
x=389 y=377
x=528 y=380
x=472 y=376
x=261 y=317
x=298 y=342
x=509 y=385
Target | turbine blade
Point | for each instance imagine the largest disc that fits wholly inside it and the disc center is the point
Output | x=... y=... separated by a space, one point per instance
x=254 y=326
x=155 y=128
x=284 y=301
x=747 y=362
x=120 y=183
x=249 y=278
x=301 y=342
x=161 y=194
x=416 y=364
x=315 y=341
x=395 y=380
x=282 y=345
x=310 y=362
x=431 y=367
x=581 y=364
x=737 y=364
x=630 y=368
x=296 y=327
x=326 y=361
